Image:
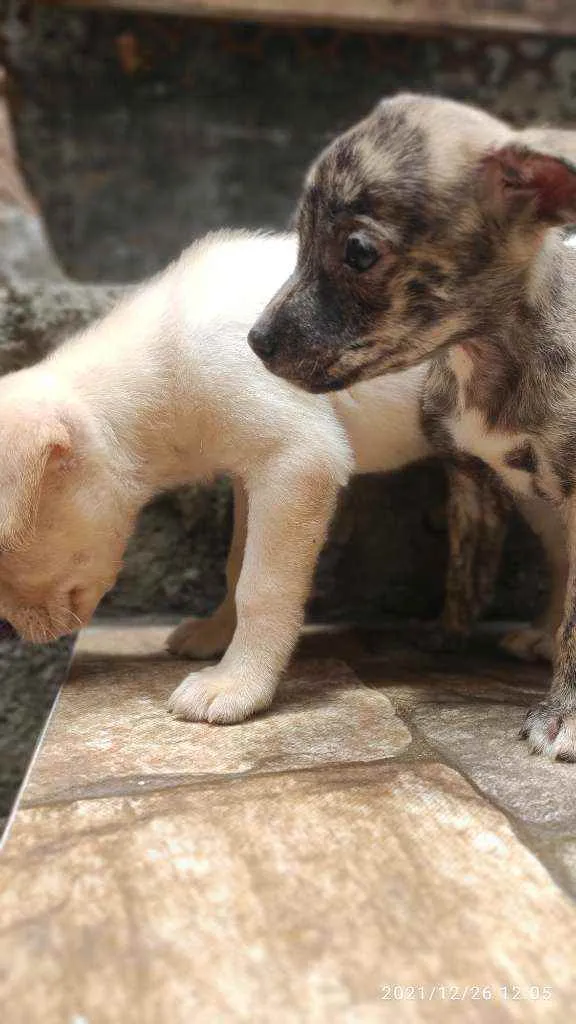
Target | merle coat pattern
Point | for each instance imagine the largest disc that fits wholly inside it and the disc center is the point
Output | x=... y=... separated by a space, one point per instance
x=432 y=229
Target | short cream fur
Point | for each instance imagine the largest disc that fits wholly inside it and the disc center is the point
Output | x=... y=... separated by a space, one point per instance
x=162 y=392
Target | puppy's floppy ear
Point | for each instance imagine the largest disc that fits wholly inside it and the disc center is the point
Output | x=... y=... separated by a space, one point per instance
x=30 y=449
x=520 y=181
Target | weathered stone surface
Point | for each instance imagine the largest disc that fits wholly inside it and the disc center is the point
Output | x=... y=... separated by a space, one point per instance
x=112 y=732
x=36 y=316
x=300 y=896
x=528 y=16
x=482 y=740
x=157 y=870
x=393 y=658
x=469 y=707
x=468 y=710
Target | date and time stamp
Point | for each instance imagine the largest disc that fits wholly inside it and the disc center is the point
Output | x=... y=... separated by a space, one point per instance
x=504 y=993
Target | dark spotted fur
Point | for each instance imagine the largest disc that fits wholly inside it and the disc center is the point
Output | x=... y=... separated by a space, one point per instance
x=477 y=517
x=522 y=458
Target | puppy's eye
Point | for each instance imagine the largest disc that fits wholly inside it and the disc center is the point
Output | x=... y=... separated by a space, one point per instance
x=360 y=253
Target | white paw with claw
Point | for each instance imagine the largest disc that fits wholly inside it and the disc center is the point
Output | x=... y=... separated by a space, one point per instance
x=201 y=638
x=550 y=729
x=529 y=644
x=220 y=696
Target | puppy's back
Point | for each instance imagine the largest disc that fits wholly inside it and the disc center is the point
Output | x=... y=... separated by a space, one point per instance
x=231 y=275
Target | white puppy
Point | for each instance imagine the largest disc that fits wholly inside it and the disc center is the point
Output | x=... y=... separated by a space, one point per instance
x=162 y=392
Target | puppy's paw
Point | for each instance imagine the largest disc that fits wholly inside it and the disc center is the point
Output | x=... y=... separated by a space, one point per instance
x=201 y=638
x=529 y=644
x=550 y=729
x=220 y=697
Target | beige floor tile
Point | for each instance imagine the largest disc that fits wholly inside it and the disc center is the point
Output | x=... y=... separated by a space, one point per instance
x=159 y=871
x=296 y=897
x=112 y=734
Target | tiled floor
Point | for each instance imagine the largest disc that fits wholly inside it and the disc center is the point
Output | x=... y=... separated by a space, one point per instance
x=378 y=846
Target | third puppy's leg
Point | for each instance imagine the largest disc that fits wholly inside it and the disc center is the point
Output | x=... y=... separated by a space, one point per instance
x=536 y=642
x=290 y=506
x=477 y=518
x=207 y=638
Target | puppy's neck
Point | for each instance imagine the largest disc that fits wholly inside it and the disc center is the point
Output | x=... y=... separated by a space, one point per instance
x=520 y=316
x=546 y=308
x=131 y=374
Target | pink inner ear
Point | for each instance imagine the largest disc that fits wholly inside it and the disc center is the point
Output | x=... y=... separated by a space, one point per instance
x=554 y=183
x=546 y=179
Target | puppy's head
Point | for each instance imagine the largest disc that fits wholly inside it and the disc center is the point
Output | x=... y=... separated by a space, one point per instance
x=64 y=515
x=406 y=223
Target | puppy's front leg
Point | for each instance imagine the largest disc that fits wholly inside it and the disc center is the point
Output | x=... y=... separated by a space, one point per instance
x=476 y=528
x=290 y=505
x=550 y=726
x=206 y=638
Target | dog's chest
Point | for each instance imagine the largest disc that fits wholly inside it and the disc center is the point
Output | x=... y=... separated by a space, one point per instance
x=516 y=456
x=510 y=455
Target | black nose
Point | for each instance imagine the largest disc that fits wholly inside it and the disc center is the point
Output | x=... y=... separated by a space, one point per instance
x=262 y=342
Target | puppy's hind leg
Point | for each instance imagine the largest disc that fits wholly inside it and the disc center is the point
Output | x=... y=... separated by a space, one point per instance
x=207 y=638
x=291 y=501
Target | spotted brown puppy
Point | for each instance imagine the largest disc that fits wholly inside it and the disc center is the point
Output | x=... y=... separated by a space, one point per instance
x=426 y=230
